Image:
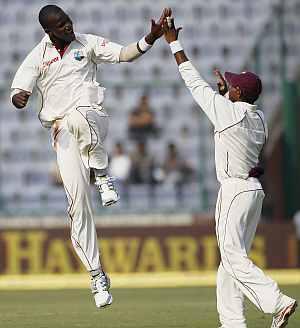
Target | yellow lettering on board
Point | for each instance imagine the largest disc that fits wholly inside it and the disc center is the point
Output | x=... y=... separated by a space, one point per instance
x=58 y=258
x=151 y=257
x=182 y=253
x=210 y=254
x=32 y=253
x=119 y=254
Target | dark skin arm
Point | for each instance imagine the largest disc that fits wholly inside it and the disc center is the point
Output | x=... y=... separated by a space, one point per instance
x=156 y=28
x=171 y=34
x=180 y=57
x=20 y=99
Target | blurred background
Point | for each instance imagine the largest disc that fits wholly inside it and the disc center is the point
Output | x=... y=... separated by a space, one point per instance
x=160 y=142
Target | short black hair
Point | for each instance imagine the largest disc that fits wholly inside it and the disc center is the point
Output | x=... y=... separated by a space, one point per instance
x=46 y=11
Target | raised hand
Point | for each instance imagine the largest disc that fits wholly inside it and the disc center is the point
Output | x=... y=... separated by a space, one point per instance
x=20 y=99
x=156 y=27
x=167 y=12
x=169 y=29
x=221 y=82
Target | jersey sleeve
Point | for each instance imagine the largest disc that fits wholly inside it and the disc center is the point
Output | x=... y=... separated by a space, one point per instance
x=105 y=51
x=222 y=112
x=28 y=72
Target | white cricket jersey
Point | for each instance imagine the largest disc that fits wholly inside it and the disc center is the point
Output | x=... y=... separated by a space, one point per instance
x=68 y=82
x=240 y=129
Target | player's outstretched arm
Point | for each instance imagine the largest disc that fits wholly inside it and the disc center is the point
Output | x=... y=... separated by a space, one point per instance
x=215 y=106
x=157 y=27
x=20 y=98
x=171 y=35
x=26 y=77
x=135 y=50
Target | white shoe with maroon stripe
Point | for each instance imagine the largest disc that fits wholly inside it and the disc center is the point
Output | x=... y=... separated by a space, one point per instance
x=281 y=319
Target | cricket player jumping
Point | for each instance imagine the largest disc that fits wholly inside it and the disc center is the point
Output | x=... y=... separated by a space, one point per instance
x=63 y=69
x=240 y=135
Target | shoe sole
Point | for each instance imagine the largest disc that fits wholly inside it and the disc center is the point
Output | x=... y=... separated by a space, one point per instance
x=109 y=302
x=110 y=202
x=286 y=315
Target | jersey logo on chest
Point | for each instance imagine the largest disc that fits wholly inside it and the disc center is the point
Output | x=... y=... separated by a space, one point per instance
x=78 y=55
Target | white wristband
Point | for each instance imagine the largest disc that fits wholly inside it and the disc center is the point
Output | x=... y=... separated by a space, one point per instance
x=143 y=46
x=175 y=46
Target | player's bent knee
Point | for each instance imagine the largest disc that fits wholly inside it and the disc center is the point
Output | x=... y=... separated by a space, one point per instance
x=78 y=125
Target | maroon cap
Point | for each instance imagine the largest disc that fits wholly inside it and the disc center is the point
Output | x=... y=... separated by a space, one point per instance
x=249 y=83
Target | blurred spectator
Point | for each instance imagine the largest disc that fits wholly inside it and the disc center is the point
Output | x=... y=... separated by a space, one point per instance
x=184 y=135
x=141 y=123
x=120 y=167
x=177 y=170
x=142 y=165
x=120 y=164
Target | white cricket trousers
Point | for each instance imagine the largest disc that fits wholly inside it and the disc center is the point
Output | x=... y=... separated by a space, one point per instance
x=238 y=212
x=78 y=141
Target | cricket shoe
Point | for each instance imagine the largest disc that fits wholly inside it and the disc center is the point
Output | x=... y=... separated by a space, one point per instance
x=281 y=319
x=100 y=289
x=107 y=190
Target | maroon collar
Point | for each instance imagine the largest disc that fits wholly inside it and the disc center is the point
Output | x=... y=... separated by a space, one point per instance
x=62 y=51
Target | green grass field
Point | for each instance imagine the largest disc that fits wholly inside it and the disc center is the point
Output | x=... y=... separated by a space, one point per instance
x=190 y=307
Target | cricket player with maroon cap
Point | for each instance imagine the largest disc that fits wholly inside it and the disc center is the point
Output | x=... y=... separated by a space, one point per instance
x=240 y=135
x=62 y=67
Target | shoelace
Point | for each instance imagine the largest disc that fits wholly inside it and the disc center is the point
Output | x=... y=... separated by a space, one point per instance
x=103 y=280
x=108 y=181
